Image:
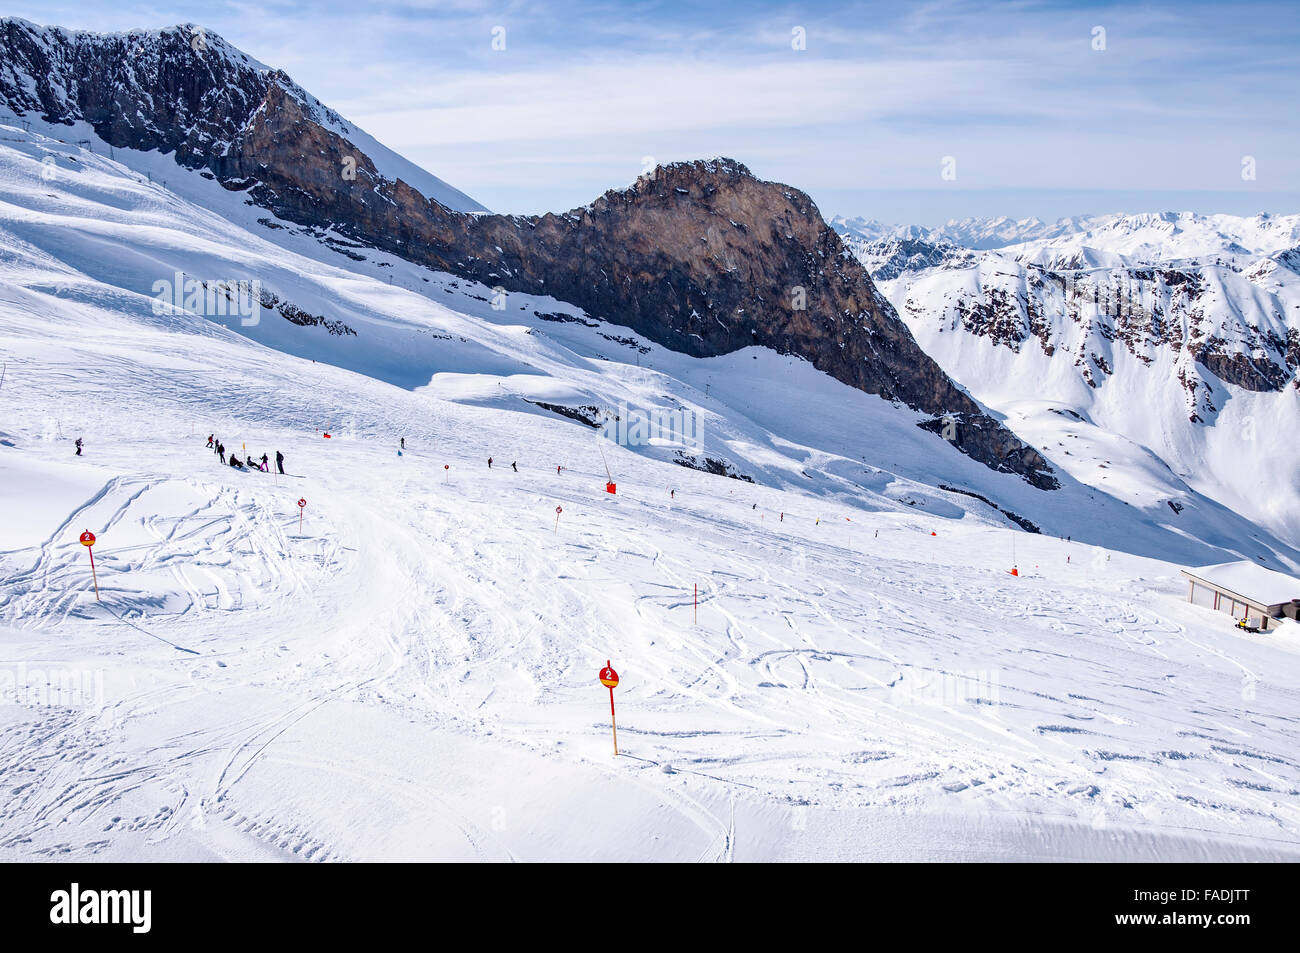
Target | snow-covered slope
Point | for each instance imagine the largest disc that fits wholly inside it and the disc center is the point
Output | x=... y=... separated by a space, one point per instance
x=412 y=673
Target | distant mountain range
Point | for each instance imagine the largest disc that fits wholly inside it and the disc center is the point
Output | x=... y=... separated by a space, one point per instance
x=1177 y=331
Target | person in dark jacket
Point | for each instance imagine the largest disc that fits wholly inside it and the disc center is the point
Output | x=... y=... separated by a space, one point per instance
x=279 y=461
x=489 y=463
x=78 y=446
x=221 y=451
x=403 y=443
x=251 y=464
x=265 y=466
x=234 y=462
x=513 y=467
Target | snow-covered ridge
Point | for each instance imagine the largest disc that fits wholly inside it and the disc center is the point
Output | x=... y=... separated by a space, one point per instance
x=1179 y=332
x=976 y=233
x=182 y=90
x=1142 y=237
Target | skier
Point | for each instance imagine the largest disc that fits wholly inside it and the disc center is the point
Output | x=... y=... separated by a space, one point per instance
x=783 y=517
x=221 y=452
x=403 y=443
x=265 y=468
x=279 y=461
x=513 y=467
x=78 y=446
x=754 y=507
x=210 y=436
x=672 y=494
x=489 y=463
x=557 y=471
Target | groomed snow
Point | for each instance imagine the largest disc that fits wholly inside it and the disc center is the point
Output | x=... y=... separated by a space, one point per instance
x=412 y=675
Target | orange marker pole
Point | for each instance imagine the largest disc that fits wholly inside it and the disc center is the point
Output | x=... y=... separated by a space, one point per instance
x=93 y=575
x=609 y=678
x=88 y=540
x=613 y=725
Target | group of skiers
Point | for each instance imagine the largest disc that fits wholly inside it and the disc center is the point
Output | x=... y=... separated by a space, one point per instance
x=219 y=448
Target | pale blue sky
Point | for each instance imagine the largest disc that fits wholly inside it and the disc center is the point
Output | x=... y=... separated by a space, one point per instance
x=1037 y=120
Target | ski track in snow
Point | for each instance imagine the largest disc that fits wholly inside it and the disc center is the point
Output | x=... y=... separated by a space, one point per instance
x=412 y=675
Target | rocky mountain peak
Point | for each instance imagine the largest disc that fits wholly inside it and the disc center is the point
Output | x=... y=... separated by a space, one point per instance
x=702 y=257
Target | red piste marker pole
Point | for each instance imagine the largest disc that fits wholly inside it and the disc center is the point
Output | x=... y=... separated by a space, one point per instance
x=445 y=474
x=609 y=678
x=301 y=503
x=558 y=511
x=88 y=540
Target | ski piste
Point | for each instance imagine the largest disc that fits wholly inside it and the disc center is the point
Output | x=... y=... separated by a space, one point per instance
x=822 y=650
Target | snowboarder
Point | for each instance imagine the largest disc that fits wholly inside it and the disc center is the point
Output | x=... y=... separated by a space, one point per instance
x=513 y=467
x=489 y=463
x=265 y=468
x=251 y=464
x=210 y=436
x=279 y=461
x=234 y=462
x=78 y=446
